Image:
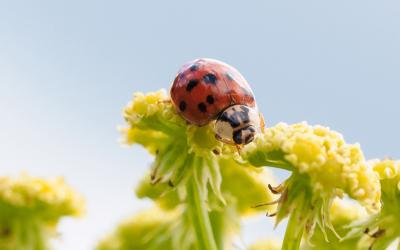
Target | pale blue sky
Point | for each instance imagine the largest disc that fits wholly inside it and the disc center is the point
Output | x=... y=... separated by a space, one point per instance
x=67 y=68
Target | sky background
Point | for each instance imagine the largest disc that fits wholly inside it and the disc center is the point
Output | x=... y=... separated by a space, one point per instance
x=67 y=68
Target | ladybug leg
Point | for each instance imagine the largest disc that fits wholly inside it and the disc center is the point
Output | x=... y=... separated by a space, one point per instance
x=219 y=138
x=238 y=148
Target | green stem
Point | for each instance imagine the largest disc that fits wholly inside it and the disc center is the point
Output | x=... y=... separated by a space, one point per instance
x=200 y=217
x=23 y=233
x=294 y=231
x=383 y=243
x=273 y=159
x=280 y=165
x=218 y=227
x=299 y=205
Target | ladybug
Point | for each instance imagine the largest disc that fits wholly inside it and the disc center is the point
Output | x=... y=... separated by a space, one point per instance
x=207 y=90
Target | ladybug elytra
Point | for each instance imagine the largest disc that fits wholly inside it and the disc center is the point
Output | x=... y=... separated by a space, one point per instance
x=207 y=90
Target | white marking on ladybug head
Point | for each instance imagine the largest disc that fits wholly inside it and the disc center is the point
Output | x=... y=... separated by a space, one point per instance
x=237 y=124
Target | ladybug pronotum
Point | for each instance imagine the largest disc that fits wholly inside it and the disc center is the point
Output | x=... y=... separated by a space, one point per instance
x=207 y=90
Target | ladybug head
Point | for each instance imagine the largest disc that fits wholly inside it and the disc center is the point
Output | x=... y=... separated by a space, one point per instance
x=244 y=135
x=237 y=124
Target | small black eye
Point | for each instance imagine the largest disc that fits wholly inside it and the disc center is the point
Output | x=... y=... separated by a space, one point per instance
x=237 y=136
x=252 y=129
x=250 y=133
x=249 y=138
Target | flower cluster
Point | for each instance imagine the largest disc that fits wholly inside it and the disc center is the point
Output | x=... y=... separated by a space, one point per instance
x=31 y=207
x=144 y=229
x=49 y=199
x=321 y=154
x=323 y=167
x=381 y=230
x=154 y=123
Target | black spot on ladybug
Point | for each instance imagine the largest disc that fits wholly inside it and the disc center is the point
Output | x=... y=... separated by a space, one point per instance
x=180 y=76
x=210 y=78
x=210 y=99
x=202 y=107
x=229 y=76
x=182 y=106
x=194 y=67
x=192 y=83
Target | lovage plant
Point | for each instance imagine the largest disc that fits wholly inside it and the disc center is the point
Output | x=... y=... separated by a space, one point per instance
x=210 y=151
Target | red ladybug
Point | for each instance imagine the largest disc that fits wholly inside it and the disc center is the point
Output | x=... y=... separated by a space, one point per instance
x=207 y=90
